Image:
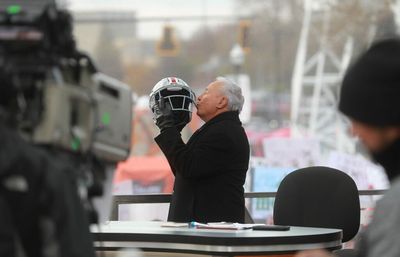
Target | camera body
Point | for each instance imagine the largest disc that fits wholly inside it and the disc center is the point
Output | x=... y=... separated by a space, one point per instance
x=53 y=94
x=95 y=118
x=63 y=126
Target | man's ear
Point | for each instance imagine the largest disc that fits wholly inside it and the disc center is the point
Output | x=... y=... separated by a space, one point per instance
x=222 y=103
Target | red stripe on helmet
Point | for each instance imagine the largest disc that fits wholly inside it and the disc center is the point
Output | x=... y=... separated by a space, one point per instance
x=173 y=80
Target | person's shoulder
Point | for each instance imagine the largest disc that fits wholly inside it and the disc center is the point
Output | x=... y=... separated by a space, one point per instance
x=390 y=201
x=396 y=183
x=394 y=191
x=382 y=234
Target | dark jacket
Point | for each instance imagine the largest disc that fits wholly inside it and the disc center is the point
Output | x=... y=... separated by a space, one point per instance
x=381 y=237
x=210 y=170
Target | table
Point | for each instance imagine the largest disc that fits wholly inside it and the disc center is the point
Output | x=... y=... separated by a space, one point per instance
x=150 y=236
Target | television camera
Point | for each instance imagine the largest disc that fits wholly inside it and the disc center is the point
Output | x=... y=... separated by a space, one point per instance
x=54 y=96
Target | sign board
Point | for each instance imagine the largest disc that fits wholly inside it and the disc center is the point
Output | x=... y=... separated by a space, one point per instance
x=291 y=152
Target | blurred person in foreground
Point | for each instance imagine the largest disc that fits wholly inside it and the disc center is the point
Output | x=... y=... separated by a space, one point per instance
x=210 y=169
x=370 y=97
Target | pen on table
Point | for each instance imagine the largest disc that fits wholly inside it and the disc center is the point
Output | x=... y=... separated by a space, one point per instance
x=194 y=224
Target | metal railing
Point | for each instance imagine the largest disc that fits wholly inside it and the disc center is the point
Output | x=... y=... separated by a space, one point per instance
x=166 y=198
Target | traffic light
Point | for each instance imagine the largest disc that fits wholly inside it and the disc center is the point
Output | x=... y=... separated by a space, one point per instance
x=168 y=45
x=244 y=35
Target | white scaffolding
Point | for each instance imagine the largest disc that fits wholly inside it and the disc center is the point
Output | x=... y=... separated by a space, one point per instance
x=316 y=79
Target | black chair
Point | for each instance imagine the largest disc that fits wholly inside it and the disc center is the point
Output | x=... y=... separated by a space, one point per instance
x=318 y=197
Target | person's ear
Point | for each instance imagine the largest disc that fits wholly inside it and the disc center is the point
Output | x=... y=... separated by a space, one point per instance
x=222 y=103
x=391 y=133
x=397 y=129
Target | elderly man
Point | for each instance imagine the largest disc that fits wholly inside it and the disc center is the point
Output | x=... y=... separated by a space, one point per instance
x=370 y=98
x=210 y=169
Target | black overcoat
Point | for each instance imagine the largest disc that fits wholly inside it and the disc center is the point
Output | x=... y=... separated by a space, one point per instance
x=210 y=170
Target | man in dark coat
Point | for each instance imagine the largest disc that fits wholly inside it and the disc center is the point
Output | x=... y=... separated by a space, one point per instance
x=210 y=169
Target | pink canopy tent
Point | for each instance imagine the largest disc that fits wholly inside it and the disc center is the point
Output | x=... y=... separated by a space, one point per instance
x=146 y=170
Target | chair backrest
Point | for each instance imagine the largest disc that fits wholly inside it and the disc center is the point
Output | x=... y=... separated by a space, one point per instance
x=319 y=197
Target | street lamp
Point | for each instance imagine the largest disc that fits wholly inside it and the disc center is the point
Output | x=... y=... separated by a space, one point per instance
x=237 y=59
x=237 y=56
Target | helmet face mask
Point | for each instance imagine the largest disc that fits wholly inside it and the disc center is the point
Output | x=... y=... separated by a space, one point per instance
x=179 y=95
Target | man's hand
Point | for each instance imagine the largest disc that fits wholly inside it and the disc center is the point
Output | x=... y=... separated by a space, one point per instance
x=163 y=115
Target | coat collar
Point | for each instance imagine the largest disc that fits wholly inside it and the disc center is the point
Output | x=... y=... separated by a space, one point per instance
x=229 y=115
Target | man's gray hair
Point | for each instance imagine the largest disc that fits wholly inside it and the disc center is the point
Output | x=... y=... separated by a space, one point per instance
x=234 y=94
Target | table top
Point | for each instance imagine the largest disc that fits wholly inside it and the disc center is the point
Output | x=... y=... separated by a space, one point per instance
x=151 y=236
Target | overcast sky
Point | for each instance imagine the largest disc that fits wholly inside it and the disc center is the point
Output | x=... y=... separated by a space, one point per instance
x=163 y=8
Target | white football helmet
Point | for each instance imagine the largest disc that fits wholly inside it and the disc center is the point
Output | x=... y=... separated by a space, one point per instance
x=179 y=95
